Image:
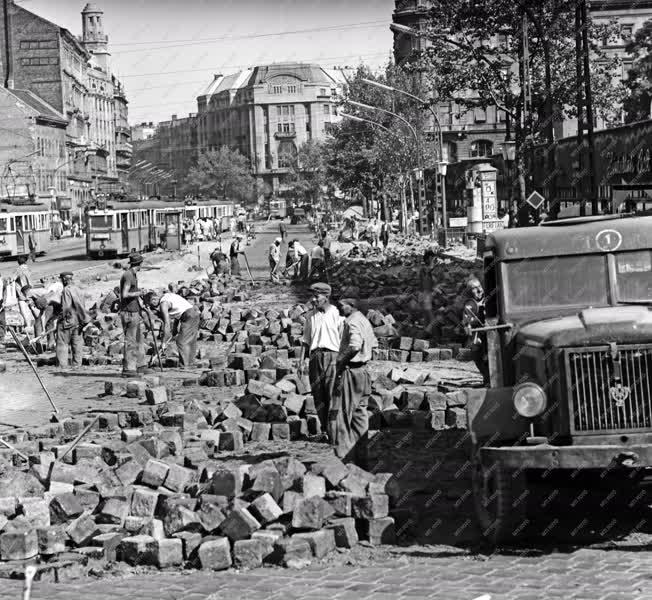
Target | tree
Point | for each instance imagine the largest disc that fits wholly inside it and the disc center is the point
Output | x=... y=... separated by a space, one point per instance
x=307 y=172
x=639 y=81
x=473 y=60
x=224 y=172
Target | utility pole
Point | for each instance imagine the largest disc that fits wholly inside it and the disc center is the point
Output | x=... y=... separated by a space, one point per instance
x=9 y=53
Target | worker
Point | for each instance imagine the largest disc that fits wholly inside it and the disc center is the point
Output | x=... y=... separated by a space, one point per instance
x=283 y=229
x=32 y=244
x=45 y=305
x=473 y=316
x=133 y=359
x=274 y=258
x=348 y=418
x=302 y=259
x=111 y=302
x=22 y=279
x=181 y=320
x=220 y=261
x=318 y=261
x=321 y=342
x=72 y=319
x=234 y=251
x=384 y=234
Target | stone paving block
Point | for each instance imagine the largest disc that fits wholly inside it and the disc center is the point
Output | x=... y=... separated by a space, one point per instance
x=321 y=542
x=109 y=543
x=260 y=432
x=155 y=447
x=332 y=470
x=290 y=469
x=340 y=502
x=18 y=545
x=215 y=554
x=136 y=389
x=231 y=441
x=179 y=518
x=156 y=395
x=81 y=530
x=210 y=516
x=239 y=525
x=309 y=513
x=154 y=473
x=191 y=540
x=8 y=506
x=280 y=431
x=290 y=500
x=37 y=511
x=226 y=481
x=65 y=507
x=51 y=540
x=311 y=485
x=113 y=511
x=265 y=509
x=289 y=549
x=178 y=478
x=138 y=550
x=268 y=480
x=168 y=553
x=155 y=528
x=346 y=535
x=456 y=418
x=248 y=554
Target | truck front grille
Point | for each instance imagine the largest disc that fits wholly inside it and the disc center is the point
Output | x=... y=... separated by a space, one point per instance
x=595 y=403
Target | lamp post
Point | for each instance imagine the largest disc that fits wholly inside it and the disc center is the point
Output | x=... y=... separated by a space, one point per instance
x=441 y=172
x=420 y=183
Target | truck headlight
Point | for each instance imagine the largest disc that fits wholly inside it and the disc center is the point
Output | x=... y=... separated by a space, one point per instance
x=529 y=399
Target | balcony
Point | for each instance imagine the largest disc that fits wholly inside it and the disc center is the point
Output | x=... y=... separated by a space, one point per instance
x=413 y=6
x=124 y=148
x=285 y=135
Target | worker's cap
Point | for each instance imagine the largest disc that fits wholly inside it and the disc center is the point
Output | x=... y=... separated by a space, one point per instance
x=321 y=288
x=278 y=240
x=135 y=258
x=66 y=274
x=352 y=302
x=152 y=297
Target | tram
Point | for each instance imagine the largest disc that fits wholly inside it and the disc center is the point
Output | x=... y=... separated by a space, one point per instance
x=16 y=223
x=119 y=226
x=278 y=209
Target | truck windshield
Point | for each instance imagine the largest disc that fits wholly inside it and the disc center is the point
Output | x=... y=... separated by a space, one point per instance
x=634 y=276
x=556 y=282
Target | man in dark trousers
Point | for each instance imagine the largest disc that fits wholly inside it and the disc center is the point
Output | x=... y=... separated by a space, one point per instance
x=72 y=319
x=133 y=359
x=234 y=251
x=321 y=342
x=283 y=229
x=181 y=320
x=473 y=317
x=348 y=418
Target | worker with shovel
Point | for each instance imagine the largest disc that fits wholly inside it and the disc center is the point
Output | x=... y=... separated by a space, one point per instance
x=73 y=317
x=181 y=320
x=133 y=360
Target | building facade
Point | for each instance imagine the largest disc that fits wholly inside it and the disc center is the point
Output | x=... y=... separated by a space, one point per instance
x=266 y=112
x=73 y=76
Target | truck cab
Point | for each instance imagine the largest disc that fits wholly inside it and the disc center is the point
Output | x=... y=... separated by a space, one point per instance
x=569 y=338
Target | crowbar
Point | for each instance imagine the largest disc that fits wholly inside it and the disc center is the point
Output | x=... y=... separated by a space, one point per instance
x=78 y=438
x=31 y=364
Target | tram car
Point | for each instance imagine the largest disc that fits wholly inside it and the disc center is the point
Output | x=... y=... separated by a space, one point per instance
x=278 y=209
x=118 y=227
x=16 y=223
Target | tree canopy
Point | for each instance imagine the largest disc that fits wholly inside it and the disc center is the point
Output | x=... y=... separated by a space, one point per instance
x=639 y=82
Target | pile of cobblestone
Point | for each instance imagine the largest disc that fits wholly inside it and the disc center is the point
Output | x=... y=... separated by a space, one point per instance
x=158 y=486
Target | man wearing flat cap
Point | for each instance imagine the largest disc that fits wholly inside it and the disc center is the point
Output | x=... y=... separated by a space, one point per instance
x=321 y=342
x=349 y=418
x=133 y=357
x=72 y=320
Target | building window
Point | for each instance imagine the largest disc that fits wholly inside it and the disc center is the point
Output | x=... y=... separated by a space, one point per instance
x=292 y=89
x=502 y=115
x=327 y=110
x=287 y=153
x=323 y=92
x=482 y=148
x=277 y=89
x=285 y=118
x=626 y=32
x=479 y=115
x=450 y=152
x=329 y=128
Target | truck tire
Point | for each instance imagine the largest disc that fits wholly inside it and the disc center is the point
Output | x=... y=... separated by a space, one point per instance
x=500 y=499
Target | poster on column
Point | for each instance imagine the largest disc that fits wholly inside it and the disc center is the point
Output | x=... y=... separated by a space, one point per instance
x=489 y=208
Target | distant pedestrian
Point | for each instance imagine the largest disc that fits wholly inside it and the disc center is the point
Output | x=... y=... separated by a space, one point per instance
x=274 y=259
x=283 y=229
x=133 y=360
x=3 y=318
x=384 y=234
x=22 y=279
x=427 y=284
x=348 y=418
x=234 y=251
x=318 y=261
x=32 y=243
x=302 y=259
x=72 y=319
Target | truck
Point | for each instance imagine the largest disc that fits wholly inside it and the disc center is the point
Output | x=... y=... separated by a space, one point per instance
x=569 y=342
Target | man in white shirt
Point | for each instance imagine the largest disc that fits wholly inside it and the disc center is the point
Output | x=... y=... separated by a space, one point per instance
x=301 y=256
x=181 y=319
x=317 y=261
x=321 y=342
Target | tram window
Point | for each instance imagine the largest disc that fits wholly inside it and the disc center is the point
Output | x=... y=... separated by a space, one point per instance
x=133 y=220
x=160 y=218
x=3 y=225
x=100 y=221
x=145 y=218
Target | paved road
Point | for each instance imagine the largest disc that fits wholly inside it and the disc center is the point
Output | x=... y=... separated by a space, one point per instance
x=581 y=575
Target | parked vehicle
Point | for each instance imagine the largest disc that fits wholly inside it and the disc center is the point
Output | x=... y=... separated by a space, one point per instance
x=278 y=209
x=17 y=220
x=569 y=339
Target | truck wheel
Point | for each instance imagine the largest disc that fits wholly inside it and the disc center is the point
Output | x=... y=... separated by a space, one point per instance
x=500 y=498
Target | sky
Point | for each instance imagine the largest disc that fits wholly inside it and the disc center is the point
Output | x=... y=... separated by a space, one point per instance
x=166 y=51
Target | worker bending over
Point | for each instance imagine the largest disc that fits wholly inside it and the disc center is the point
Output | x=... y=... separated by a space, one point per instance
x=72 y=319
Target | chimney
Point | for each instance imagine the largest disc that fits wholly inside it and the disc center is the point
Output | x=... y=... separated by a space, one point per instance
x=174 y=117
x=7 y=7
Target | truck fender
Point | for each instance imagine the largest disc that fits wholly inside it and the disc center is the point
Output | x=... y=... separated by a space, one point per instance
x=492 y=418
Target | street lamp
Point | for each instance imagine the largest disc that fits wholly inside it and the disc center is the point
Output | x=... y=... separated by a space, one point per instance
x=436 y=122
x=421 y=187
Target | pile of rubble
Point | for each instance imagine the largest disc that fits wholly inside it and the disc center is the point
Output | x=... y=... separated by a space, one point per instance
x=158 y=486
